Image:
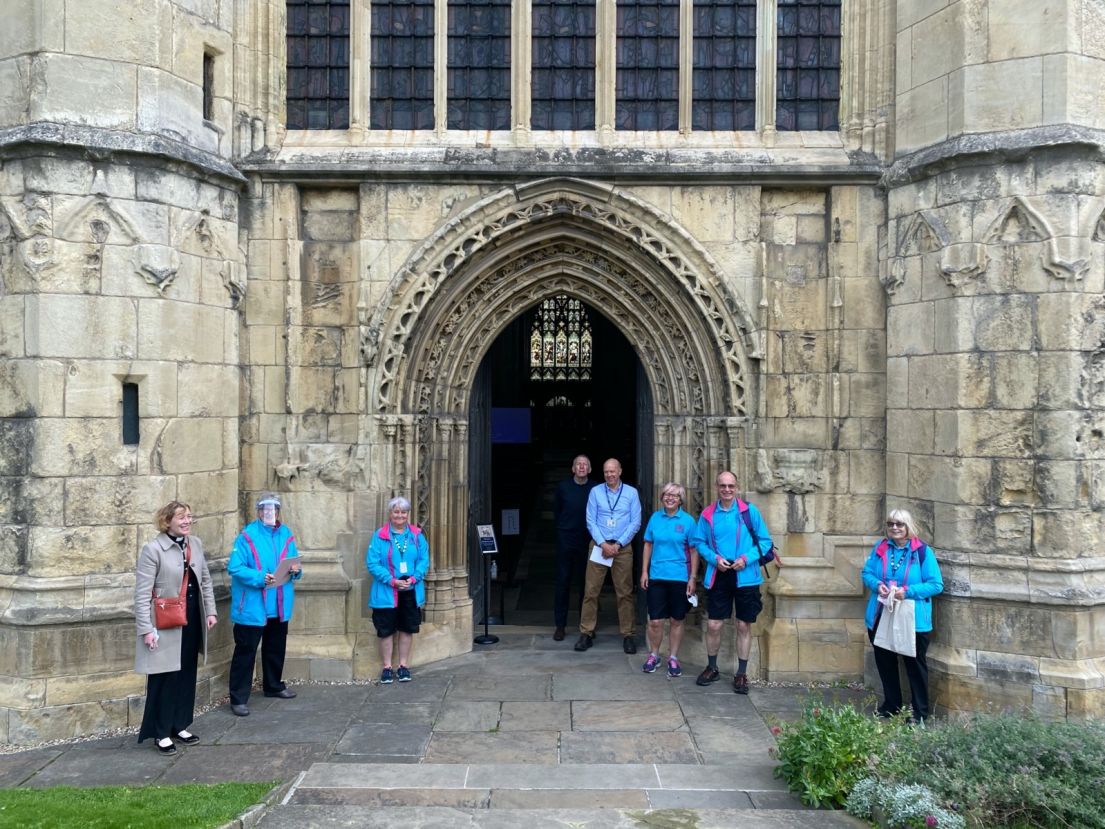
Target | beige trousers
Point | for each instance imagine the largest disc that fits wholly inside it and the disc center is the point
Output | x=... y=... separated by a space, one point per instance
x=621 y=571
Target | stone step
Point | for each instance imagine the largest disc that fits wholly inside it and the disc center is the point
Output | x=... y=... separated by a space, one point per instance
x=536 y=786
x=419 y=817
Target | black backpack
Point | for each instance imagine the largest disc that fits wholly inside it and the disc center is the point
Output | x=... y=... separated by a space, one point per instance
x=765 y=558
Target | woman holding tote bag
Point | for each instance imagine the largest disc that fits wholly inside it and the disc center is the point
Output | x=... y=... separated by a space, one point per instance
x=902 y=568
x=169 y=655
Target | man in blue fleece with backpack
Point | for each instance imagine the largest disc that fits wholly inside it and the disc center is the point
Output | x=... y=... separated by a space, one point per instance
x=733 y=541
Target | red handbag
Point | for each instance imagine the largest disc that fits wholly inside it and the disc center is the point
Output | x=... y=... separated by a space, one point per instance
x=172 y=611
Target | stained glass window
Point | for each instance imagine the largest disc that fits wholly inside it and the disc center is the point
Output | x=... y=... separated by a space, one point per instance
x=647 y=81
x=479 y=64
x=723 y=79
x=318 y=64
x=808 y=81
x=402 y=65
x=562 y=79
x=560 y=341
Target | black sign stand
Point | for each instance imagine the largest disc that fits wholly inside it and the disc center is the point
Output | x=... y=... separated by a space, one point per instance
x=488 y=549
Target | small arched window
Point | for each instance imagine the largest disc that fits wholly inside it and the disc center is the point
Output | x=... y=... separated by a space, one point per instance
x=560 y=343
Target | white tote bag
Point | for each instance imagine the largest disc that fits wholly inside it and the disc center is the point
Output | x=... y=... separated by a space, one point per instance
x=897 y=629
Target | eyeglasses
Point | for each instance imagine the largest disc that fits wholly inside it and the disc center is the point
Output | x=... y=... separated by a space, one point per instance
x=895 y=525
x=726 y=486
x=669 y=495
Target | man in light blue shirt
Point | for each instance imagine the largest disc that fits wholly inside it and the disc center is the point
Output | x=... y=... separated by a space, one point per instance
x=613 y=518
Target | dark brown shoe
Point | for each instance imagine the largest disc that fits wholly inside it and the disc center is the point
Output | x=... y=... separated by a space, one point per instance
x=707 y=676
x=558 y=635
x=629 y=645
x=585 y=642
x=740 y=684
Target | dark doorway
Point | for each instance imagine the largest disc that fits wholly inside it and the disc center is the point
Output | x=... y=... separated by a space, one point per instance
x=529 y=417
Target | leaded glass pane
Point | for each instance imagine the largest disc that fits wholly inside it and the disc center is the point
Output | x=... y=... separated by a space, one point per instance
x=723 y=81
x=808 y=67
x=560 y=341
x=318 y=64
x=647 y=81
x=562 y=78
x=479 y=64
x=402 y=65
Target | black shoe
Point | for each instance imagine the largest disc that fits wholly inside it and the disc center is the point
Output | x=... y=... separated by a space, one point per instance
x=707 y=676
x=240 y=710
x=558 y=634
x=628 y=645
x=584 y=642
x=166 y=750
x=740 y=684
x=286 y=693
x=190 y=740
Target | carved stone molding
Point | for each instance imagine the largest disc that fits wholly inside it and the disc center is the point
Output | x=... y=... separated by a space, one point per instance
x=797 y=471
x=630 y=257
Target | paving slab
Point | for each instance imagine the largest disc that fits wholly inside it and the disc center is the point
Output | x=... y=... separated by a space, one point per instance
x=247 y=763
x=607 y=686
x=420 y=689
x=385 y=775
x=751 y=774
x=618 y=715
x=286 y=727
x=500 y=747
x=621 y=747
x=373 y=739
x=16 y=768
x=536 y=716
x=569 y=799
x=461 y=798
x=136 y=765
x=468 y=715
x=374 y=711
x=691 y=799
x=594 y=776
x=532 y=688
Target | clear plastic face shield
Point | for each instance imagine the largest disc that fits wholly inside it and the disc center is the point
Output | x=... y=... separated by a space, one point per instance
x=269 y=513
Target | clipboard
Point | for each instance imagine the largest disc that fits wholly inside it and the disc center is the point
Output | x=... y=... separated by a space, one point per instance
x=283 y=572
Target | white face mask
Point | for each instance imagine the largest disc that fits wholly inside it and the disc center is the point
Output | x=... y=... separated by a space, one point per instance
x=268 y=515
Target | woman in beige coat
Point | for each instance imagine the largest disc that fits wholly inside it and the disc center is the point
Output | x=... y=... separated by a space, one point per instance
x=169 y=657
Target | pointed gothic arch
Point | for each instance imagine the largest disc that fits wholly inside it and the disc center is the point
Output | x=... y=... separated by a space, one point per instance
x=462 y=287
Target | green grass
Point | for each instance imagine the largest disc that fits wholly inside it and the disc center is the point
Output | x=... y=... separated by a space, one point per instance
x=192 y=806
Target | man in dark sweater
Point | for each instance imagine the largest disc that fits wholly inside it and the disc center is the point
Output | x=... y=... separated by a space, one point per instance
x=572 y=538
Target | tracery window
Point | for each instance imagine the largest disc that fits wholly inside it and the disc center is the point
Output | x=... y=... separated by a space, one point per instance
x=402 y=93
x=560 y=341
x=808 y=86
x=723 y=93
x=562 y=78
x=318 y=64
x=479 y=64
x=647 y=82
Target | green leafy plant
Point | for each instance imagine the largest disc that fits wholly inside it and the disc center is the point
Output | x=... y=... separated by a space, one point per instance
x=1007 y=770
x=829 y=749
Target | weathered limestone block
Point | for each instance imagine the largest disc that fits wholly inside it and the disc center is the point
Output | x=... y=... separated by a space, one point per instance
x=1014 y=380
x=169 y=331
x=951 y=480
x=985 y=433
x=866 y=395
x=93 y=388
x=922 y=115
x=1085 y=704
x=1013 y=484
x=27 y=500
x=318 y=518
x=712 y=211
x=68 y=690
x=1059 y=484
x=1008 y=667
x=909 y=329
x=265 y=303
x=60 y=722
x=1064 y=435
x=1070 y=321
x=946 y=381
x=190 y=445
x=314 y=347
x=797 y=299
x=982 y=530
x=913 y=431
x=1067 y=533
x=414 y=211
x=81 y=326
x=30 y=388
x=13 y=544
x=796 y=395
x=11 y=327
x=115 y=500
x=208 y=390
x=78 y=446
x=211 y=492
x=67 y=83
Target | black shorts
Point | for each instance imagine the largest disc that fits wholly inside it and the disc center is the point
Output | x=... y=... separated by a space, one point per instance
x=725 y=595
x=405 y=618
x=667 y=599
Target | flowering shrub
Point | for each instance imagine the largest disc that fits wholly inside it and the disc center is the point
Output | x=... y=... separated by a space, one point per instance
x=824 y=753
x=901 y=805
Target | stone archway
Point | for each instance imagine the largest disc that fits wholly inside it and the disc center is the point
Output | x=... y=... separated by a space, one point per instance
x=466 y=283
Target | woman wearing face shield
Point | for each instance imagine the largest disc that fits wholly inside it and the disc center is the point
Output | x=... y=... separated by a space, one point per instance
x=263 y=568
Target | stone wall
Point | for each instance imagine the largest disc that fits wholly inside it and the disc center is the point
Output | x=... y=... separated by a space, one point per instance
x=110 y=273
x=996 y=329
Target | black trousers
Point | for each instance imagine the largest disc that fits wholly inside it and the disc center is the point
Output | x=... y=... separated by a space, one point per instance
x=917 y=671
x=273 y=638
x=571 y=565
x=171 y=696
